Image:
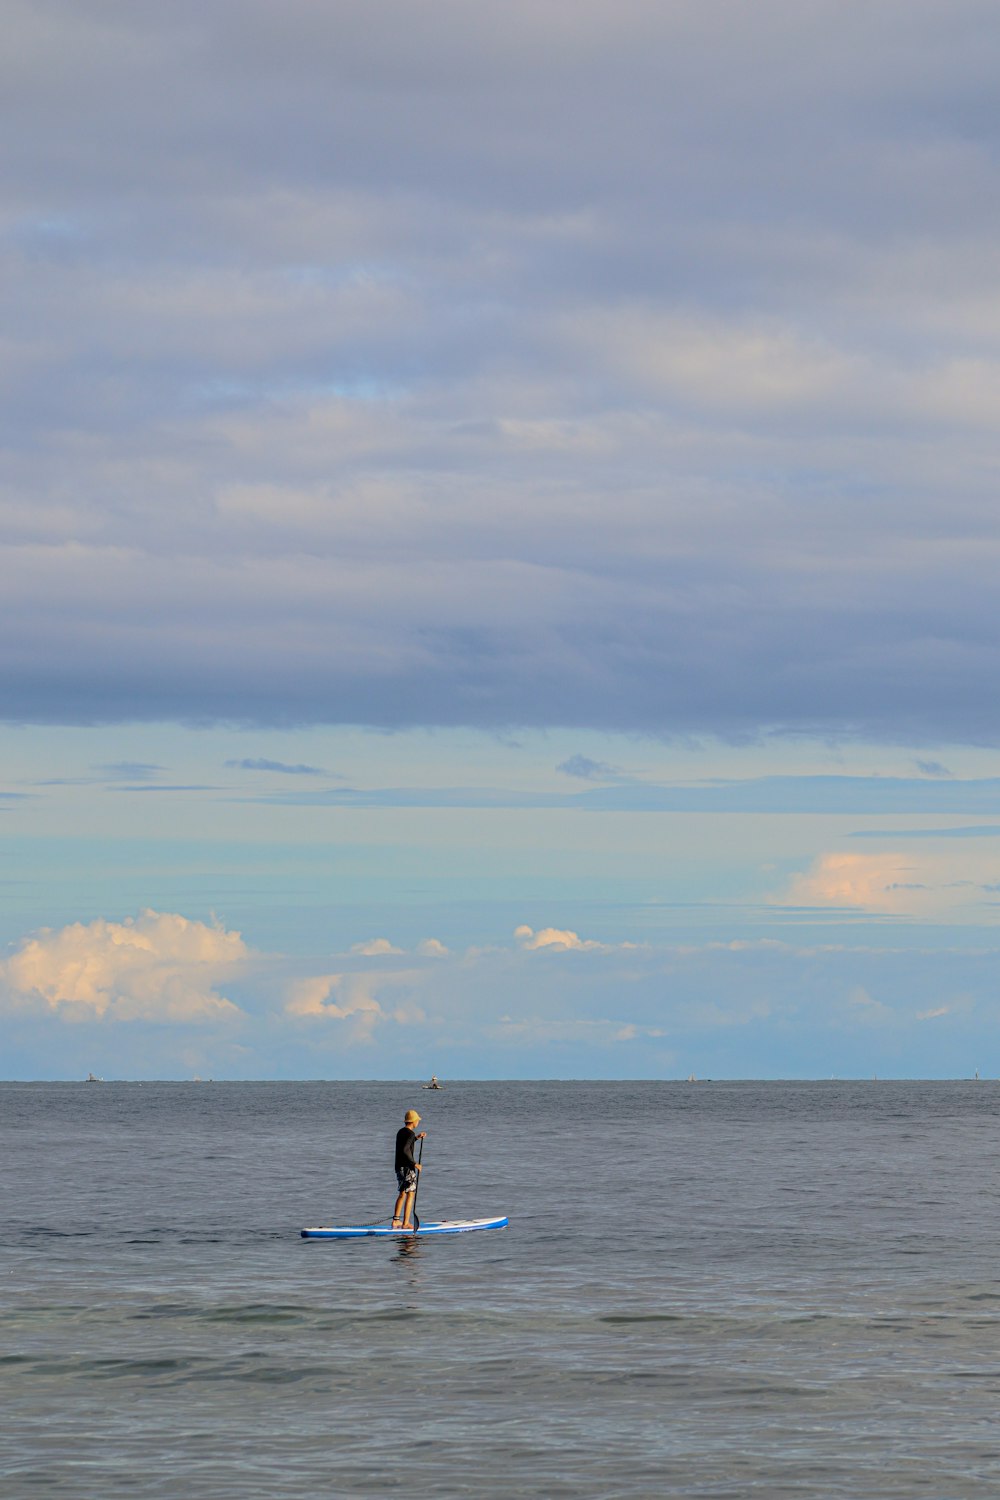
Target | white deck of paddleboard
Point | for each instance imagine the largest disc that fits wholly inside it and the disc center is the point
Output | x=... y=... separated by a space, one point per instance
x=438 y=1226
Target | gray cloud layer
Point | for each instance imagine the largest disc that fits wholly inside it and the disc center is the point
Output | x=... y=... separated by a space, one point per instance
x=634 y=366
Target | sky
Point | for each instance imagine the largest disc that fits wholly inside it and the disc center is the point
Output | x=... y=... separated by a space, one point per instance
x=498 y=539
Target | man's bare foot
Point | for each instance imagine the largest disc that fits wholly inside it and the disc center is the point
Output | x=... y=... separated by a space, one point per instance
x=397 y=1224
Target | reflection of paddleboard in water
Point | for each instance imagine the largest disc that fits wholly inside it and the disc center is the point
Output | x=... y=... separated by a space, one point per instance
x=441 y=1226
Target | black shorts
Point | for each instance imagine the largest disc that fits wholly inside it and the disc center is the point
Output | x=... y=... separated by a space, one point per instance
x=406 y=1179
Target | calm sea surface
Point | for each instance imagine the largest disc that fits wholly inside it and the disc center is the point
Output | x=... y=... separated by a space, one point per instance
x=706 y=1290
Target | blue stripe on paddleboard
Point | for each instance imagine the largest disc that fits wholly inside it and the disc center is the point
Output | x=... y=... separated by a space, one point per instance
x=442 y=1226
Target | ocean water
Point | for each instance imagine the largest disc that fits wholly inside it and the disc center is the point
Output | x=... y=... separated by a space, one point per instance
x=718 y=1289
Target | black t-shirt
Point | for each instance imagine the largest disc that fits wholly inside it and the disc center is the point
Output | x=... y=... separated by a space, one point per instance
x=406 y=1139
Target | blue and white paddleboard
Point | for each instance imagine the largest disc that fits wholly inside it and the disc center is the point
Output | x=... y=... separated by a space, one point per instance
x=439 y=1226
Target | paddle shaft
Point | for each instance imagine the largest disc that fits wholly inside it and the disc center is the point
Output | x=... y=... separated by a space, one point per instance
x=413 y=1205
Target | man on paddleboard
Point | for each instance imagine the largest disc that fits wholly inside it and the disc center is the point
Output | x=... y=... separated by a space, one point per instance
x=407 y=1168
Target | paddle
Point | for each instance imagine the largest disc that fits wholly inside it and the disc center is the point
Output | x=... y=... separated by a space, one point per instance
x=413 y=1205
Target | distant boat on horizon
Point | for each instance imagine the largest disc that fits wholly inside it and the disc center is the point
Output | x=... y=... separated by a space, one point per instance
x=92 y=1078
x=433 y=1083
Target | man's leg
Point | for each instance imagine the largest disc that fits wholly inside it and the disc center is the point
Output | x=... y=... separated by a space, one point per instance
x=397 y=1213
x=408 y=1214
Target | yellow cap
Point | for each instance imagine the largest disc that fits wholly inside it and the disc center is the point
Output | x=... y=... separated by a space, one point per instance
x=411 y=1117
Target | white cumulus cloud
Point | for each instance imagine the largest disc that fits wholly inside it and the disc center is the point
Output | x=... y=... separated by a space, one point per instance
x=853 y=880
x=920 y=883
x=560 y=940
x=352 y=998
x=432 y=948
x=158 y=966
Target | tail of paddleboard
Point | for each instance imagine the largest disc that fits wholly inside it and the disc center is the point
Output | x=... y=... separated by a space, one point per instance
x=440 y=1226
